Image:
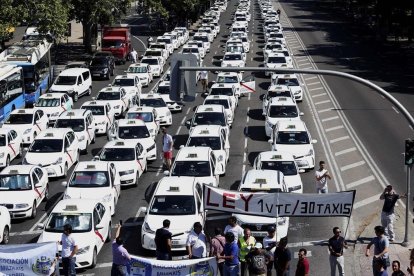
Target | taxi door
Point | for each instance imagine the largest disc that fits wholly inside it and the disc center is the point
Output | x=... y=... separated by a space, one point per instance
x=115 y=182
x=99 y=227
x=141 y=159
x=14 y=144
x=248 y=85
x=71 y=152
x=39 y=180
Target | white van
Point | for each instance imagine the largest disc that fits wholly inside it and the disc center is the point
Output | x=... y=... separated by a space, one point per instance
x=75 y=82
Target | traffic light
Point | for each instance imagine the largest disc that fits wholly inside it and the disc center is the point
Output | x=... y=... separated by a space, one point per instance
x=409 y=152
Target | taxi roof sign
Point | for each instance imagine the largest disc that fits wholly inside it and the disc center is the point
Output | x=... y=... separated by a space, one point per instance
x=70 y=113
x=260 y=181
x=174 y=189
x=209 y=109
x=291 y=127
x=276 y=156
x=21 y=111
x=131 y=122
x=14 y=171
x=204 y=131
x=119 y=143
x=192 y=155
x=49 y=95
x=71 y=208
x=49 y=134
x=90 y=166
x=282 y=99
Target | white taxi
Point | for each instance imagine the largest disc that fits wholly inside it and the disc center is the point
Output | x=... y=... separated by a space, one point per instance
x=22 y=189
x=199 y=162
x=209 y=114
x=156 y=101
x=55 y=149
x=103 y=115
x=116 y=97
x=199 y=45
x=134 y=130
x=131 y=84
x=243 y=86
x=155 y=64
x=129 y=157
x=142 y=71
x=91 y=228
x=276 y=60
x=10 y=146
x=283 y=162
x=94 y=180
x=280 y=109
x=82 y=123
x=148 y=115
x=275 y=91
x=266 y=181
x=27 y=122
x=180 y=199
x=226 y=102
x=54 y=104
x=163 y=90
x=225 y=89
x=294 y=137
x=269 y=47
x=233 y=60
x=215 y=137
x=5 y=225
x=290 y=80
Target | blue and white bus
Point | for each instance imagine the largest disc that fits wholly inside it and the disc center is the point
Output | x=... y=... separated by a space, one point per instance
x=11 y=89
x=34 y=57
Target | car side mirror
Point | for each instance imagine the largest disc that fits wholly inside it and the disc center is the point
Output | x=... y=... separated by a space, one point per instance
x=188 y=123
x=99 y=227
x=40 y=226
x=270 y=141
x=314 y=141
x=301 y=171
x=144 y=209
x=38 y=185
x=166 y=173
x=301 y=113
x=64 y=183
x=37 y=121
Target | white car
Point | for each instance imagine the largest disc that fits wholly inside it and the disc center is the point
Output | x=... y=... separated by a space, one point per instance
x=131 y=84
x=208 y=31
x=275 y=91
x=263 y=181
x=22 y=189
x=148 y=115
x=204 y=38
x=199 y=45
x=157 y=68
x=75 y=82
x=168 y=41
x=174 y=39
x=225 y=89
x=54 y=149
x=211 y=114
x=278 y=35
x=134 y=130
x=276 y=60
x=292 y=81
x=142 y=71
x=11 y=146
x=162 y=46
x=91 y=228
x=233 y=60
x=283 y=162
x=27 y=122
x=54 y=104
x=5 y=225
x=116 y=97
x=82 y=123
x=226 y=102
x=184 y=31
x=294 y=137
x=163 y=54
x=103 y=114
x=280 y=109
x=215 y=137
x=270 y=47
x=163 y=90
x=94 y=180
x=156 y=101
x=192 y=49
x=180 y=199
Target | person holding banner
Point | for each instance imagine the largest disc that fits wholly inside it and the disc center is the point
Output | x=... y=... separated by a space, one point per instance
x=245 y=243
x=163 y=241
x=322 y=175
x=217 y=247
x=269 y=243
x=196 y=242
x=120 y=256
x=69 y=250
x=231 y=256
x=336 y=246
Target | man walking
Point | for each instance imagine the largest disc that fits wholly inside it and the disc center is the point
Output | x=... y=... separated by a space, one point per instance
x=387 y=215
x=163 y=242
x=167 y=147
x=216 y=248
x=134 y=56
x=204 y=80
x=282 y=258
x=381 y=245
x=245 y=243
x=302 y=268
x=269 y=243
x=196 y=242
x=336 y=246
x=120 y=256
x=322 y=175
x=69 y=250
x=231 y=256
x=234 y=228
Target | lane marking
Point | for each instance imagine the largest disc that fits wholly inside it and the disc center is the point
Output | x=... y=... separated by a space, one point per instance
x=367 y=201
x=307 y=68
x=188 y=111
x=325 y=110
x=318 y=95
x=351 y=166
x=339 y=139
x=316 y=88
x=330 y=119
x=342 y=152
x=334 y=128
x=145 y=46
x=313 y=83
x=360 y=182
x=159 y=170
x=26 y=233
x=322 y=102
x=311 y=78
x=395 y=109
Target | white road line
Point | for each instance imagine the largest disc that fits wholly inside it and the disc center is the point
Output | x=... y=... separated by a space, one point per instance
x=334 y=128
x=307 y=68
x=351 y=166
x=145 y=46
x=330 y=119
x=395 y=109
x=188 y=111
x=366 y=201
x=311 y=78
x=140 y=209
x=26 y=233
x=318 y=95
x=159 y=171
x=102 y=265
x=183 y=120
x=306 y=244
x=325 y=110
x=313 y=83
x=316 y=88
x=303 y=62
x=322 y=102
x=360 y=182
x=339 y=139
x=345 y=151
x=178 y=130
x=410 y=127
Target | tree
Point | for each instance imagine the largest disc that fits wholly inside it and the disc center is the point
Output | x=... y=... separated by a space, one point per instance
x=10 y=13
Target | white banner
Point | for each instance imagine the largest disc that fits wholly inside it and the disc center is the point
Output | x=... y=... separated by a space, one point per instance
x=279 y=204
x=149 y=267
x=28 y=259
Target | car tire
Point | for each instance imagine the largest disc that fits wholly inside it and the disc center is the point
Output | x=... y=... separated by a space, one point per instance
x=75 y=97
x=46 y=198
x=34 y=210
x=20 y=151
x=65 y=170
x=94 y=139
x=136 y=180
x=6 y=235
x=109 y=237
x=89 y=91
x=94 y=258
x=8 y=161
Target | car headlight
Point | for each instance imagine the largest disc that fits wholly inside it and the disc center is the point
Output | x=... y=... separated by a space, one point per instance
x=298 y=92
x=55 y=114
x=310 y=153
x=105 y=70
x=281 y=221
x=83 y=250
x=295 y=188
x=148 y=229
x=58 y=161
x=151 y=148
x=107 y=198
x=21 y=206
x=2 y=155
x=66 y=196
x=220 y=158
x=117 y=107
x=126 y=172
x=27 y=131
x=81 y=138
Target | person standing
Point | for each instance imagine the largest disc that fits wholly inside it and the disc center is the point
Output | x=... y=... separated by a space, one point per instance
x=257 y=260
x=167 y=147
x=149 y=40
x=381 y=245
x=378 y=268
x=322 y=175
x=336 y=245
x=234 y=228
x=269 y=243
x=410 y=269
x=302 y=268
x=69 y=250
x=282 y=258
x=196 y=242
x=216 y=248
x=204 y=80
x=120 y=256
x=163 y=242
x=231 y=256
x=396 y=269
x=387 y=215
x=245 y=243
x=134 y=56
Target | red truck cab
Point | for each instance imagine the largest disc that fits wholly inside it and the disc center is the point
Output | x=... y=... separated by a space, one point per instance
x=117 y=40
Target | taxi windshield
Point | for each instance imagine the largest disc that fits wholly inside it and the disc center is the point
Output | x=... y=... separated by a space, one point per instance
x=286 y=111
x=75 y=124
x=224 y=103
x=163 y=89
x=20 y=119
x=137 y=69
x=96 y=110
x=210 y=118
x=44 y=102
x=273 y=46
x=66 y=80
x=212 y=142
x=191 y=168
x=117 y=154
x=173 y=205
x=80 y=222
x=109 y=96
x=276 y=60
x=136 y=132
x=288 y=82
x=150 y=61
x=145 y=116
x=227 y=79
x=89 y=179
x=232 y=57
x=292 y=138
x=123 y=82
x=280 y=93
x=46 y=145
x=225 y=91
x=18 y=182
x=153 y=102
x=286 y=167
x=190 y=50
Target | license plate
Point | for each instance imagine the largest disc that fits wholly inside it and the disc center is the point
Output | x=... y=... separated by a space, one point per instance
x=174 y=242
x=96 y=75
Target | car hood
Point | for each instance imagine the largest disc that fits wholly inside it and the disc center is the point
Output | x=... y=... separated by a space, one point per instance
x=255 y=219
x=88 y=193
x=42 y=159
x=20 y=128
x=17 y=197
x=82 y=239
x=296 y=150
x=292 y=181
x=62 y=88
x=181 y=224
x=50 y=110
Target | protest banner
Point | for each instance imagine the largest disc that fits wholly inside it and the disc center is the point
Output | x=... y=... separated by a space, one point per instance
x=279 y=204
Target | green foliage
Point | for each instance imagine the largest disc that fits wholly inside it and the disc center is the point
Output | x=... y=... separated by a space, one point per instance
x=10 y=14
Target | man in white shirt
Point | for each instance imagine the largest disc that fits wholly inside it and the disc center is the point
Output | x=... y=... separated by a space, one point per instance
x=196 y=242
x=322 y=175
x=204 y=80
x=134 y=56
x=234 y=228
x=69 y=250
x=167 y=147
